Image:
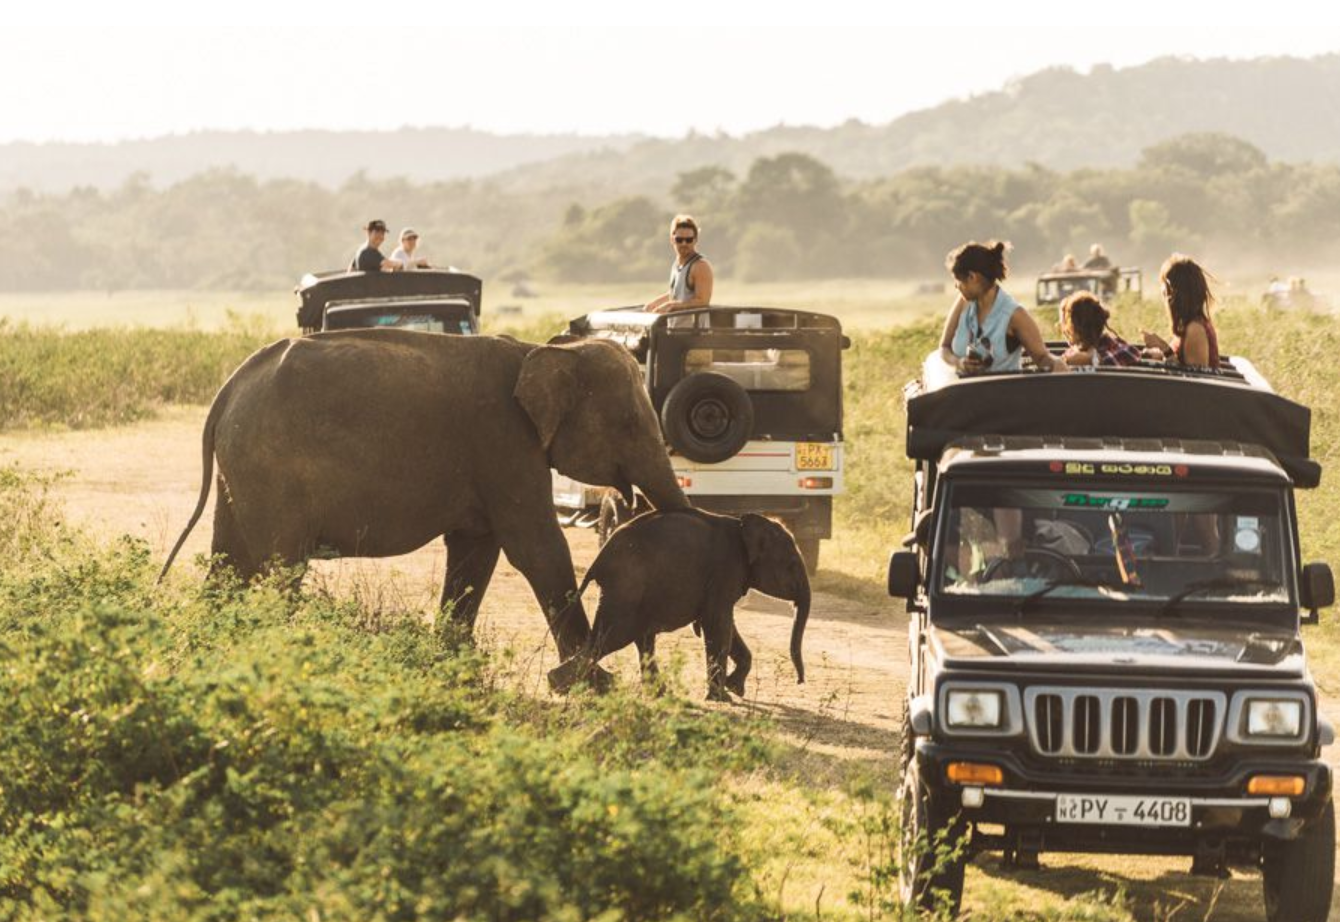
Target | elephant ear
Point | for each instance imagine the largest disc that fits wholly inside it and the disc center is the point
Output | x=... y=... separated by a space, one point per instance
x=547 y=389
x=755 y=530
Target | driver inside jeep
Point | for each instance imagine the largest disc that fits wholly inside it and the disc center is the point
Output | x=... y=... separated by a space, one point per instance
x=1112 y=544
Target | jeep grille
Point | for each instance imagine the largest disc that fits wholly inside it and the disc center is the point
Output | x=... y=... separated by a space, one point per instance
x=1123 y=723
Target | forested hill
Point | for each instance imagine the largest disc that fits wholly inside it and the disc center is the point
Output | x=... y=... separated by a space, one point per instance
x=1057 y=118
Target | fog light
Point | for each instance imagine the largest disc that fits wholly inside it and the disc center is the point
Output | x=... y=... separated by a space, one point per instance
x=1280 y=808
x=816 y=483
x=974 y=773
x=1277 y=785
x=973 y=797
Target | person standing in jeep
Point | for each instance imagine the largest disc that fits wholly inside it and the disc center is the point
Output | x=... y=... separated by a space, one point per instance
x=690 y=274
x=370 y=258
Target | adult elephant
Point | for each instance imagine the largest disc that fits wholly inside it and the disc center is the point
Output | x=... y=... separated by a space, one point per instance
x=371 y=443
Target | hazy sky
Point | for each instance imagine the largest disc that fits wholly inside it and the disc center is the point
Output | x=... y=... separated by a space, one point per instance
x=80 y=71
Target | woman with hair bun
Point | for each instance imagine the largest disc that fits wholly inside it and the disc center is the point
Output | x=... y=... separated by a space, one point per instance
x=987 y=330
x=1186 y=291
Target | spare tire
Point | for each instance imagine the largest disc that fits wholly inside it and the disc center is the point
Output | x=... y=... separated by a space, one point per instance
x=707 y=417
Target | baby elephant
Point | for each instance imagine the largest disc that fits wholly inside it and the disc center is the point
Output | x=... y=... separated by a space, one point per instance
x=665 y=570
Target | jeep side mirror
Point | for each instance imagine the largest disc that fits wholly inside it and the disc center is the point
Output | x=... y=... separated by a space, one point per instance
x=1317 y=590
x=904 y=575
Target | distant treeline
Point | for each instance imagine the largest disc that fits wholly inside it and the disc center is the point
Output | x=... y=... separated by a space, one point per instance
x=788 y=217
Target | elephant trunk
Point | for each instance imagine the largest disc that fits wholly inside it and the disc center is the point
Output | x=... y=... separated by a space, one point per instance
x=663 y=490
x=798 y=634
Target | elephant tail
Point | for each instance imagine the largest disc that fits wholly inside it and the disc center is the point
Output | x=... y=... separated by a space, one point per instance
x=207 y=463
x=798 y=635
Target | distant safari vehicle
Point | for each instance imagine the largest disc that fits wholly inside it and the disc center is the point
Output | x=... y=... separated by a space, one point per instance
x=750 y=401
x=431 y=300
x=1055 y=287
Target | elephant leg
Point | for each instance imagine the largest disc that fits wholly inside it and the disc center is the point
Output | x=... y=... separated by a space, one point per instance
x=613 y=630
x=646 y=654
x=228 y=549
x=540 y=553
x=744 y=661
x=717 y=630
x=470 y=565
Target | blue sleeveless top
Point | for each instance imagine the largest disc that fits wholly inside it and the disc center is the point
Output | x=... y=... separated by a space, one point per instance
x=991 y=334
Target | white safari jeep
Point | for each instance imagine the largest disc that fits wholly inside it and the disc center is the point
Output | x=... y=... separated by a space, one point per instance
x=750 y=400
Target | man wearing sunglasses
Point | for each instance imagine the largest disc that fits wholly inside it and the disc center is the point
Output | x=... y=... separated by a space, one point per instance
x=690 y=273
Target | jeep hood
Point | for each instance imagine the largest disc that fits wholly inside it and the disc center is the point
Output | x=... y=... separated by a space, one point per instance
x=1180 y=647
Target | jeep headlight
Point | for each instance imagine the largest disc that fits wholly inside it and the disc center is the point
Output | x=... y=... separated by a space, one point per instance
x=974 y=708
x=1275 y=718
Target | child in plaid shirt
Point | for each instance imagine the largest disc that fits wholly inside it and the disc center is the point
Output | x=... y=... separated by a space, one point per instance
x=1092 y=341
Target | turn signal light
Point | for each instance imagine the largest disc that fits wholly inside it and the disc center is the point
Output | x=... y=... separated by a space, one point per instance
x=1277 y=785
x=684 y=482
x=975 y=773
x=816 y=483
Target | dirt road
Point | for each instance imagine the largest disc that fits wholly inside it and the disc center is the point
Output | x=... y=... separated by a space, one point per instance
x=143 y=480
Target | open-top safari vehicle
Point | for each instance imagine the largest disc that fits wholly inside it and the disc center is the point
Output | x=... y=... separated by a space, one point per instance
x=431 y=300
x=1055 y=287
x=1106 y=594
x=750 y=401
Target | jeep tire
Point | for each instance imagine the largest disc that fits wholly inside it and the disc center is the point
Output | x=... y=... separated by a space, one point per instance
x=929 y=878
x=809 y=552
x=1297 y=876
x=613 y=513
x=707 y=417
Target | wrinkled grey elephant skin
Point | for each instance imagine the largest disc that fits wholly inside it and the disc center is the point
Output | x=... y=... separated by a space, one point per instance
x=372 y=443
x=665 y=570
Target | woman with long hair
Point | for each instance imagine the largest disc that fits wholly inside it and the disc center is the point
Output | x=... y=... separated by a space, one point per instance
x=1186 y=291
x=987 y=330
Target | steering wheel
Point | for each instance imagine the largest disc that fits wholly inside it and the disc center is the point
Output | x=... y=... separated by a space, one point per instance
x=1037 y=563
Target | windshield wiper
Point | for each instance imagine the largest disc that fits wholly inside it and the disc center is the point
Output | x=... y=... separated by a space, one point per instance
x=1022 y=605
x=1216 y=582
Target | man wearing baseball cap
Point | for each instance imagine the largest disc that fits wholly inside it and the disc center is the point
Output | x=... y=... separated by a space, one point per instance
x=370 y=258
x=404 y=254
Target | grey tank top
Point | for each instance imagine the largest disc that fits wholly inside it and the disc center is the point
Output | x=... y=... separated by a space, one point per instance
x=680 y=287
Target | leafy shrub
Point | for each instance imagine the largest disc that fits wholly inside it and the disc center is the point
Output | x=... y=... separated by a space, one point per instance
x=182 y=753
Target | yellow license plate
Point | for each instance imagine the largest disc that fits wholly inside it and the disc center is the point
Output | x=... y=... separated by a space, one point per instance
x=814 y=456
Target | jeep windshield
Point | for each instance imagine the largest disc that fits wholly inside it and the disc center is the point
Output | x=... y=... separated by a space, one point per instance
x=1108 y=543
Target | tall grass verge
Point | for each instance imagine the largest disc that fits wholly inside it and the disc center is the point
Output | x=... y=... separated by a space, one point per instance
x=107 y=377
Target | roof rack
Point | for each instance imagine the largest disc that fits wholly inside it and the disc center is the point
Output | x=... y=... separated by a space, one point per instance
x=1232 y=404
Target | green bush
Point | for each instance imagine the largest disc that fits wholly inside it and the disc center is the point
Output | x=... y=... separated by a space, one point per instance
x=182 y=753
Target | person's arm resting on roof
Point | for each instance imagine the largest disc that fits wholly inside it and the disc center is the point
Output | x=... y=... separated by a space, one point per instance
x=1025 y=329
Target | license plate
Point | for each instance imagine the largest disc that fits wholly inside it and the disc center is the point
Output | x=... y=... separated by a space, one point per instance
x=1123 y=810
x=814 y=456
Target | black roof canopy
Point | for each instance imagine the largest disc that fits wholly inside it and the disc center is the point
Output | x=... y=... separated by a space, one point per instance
x=1118 y=403
x=317 y=291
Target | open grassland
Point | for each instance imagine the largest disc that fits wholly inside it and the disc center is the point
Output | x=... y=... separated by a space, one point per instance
x=861 y=303
x=175 y=753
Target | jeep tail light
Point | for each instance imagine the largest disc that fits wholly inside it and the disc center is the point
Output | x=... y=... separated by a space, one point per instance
x=684 y=482
x=816 y=483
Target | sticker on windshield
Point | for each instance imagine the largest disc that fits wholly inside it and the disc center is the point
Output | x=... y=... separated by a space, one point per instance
x=1095 y=501
x=1084 y=468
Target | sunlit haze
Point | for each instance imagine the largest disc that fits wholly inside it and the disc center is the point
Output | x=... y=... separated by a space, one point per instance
x=142 y=69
